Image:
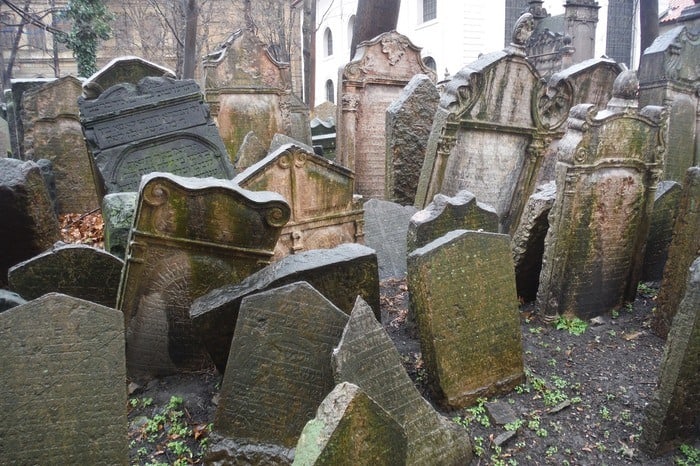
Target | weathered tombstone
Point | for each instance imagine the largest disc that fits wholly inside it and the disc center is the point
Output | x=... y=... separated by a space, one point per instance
x=462 y=292
x=52 y=131
x=160 y=124
x=126 y=69
x=62 y=379
x=10 y=299
x=386 y=226
x=682 y=251
x=672 y=416
x=279 y=140
x=324 y=211
x=46 y=168
x=118 y=216
x=367 y=357
x=445 y=214
x=379 y=71
x=350 y=429
x=666 y=202
x=76 y=270
x=190 y=236
x=5 y=147
x=251 y=152
x=408 y=122
x=607 y=173
x=29 y=225
x=278 y=373
x=13 y=103
x=340 y=274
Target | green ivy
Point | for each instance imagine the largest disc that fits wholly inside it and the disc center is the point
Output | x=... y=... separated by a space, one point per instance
x=89 y=25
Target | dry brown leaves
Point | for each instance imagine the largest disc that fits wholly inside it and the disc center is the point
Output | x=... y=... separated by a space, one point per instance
x=82 y=228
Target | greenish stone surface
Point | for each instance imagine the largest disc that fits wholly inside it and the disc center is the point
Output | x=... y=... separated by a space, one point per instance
x=663 y=217
x=118 y=215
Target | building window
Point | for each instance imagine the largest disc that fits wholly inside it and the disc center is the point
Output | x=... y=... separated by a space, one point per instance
x=428 y=9
x=36 y=37
x=328 y=42
x=430 y=63
x=330 y=91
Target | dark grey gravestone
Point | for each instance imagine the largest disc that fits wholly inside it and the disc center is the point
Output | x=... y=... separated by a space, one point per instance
x=63 y=383
x=340 y=274
x=251 y=152
x=118 y=215
x=76 y=270
x=386 y=226
x=367 y=357
x=10 y=299
x=279 y=369
x=49 y=176
x=666 y=202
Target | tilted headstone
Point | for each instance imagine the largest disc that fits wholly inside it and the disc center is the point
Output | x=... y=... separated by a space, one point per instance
x=340 y=274
x=126 y=69
x=279 y=140
x=367 y=357
x=609 y=166
x=350 y=429
x=374 y=78
x=29 y=225
x=63 y=383
x=672 y=416
x=158 y=125
x=118 y=216
x=408 y=122
x=279 y=370
x=462 y=292
x=5 y=146
x=76 y=270
x=445 y=214
x=249 y=153
x=13 y=103
x=325 y=212
x=190 y=236
x=386 y=226
x=663 y=217
x=682 y=251
x=10 y=299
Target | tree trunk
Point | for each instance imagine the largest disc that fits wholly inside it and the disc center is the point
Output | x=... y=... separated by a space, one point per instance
x=308 y=48
x=7 y=71
x=648 y=23
x=190 y=52
x=372 y=19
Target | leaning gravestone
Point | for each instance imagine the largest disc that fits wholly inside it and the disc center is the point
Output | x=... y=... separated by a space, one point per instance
x=62 y=380
x=249 y=153
x=118 y=216
x=386 y=226
x=126 y=69
x=278 y=373
x=672 y=416
x=13 y=103
x=666 y=201
x=340 y=274
x=190 y=236
x=9 y=299
x=462 y=292
x=367 y=357
x=76 y=270
x=350 y=429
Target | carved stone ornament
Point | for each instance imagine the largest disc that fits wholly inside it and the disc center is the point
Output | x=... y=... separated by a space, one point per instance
x=523 y=29
x=462 y=91
x=394 y=46
x=350 y=102
x=553 y=104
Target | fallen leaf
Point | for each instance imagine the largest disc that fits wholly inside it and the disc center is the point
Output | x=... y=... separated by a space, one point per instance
x=631 y=336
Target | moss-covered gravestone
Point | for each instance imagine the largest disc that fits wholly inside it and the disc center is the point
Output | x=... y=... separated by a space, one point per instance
x=663 y=217
x=118 y=216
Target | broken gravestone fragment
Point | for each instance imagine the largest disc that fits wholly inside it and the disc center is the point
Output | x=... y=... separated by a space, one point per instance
x=118 y=216
x=386 y=227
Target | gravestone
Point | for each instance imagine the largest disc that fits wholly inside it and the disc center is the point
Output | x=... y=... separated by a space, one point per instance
x=386 y=227
x=5 y=147
x=13 y=107
x=672 y=416
x=29 y=225
x=76 y=270
x=63 y=383
x=251 y=152
x=462 y=292
x=445 y=214
x=126 y=69
x=279 y=140
x=320 y=193
x=340 y=274
x=375 y=77
x=9 y=299
x=367 y=357
x=609 y=165
x=682 y=251
x=279 y=371
x=666 y=202
x=350 y=429
x=118 y=216
x=190 y=236
x=408 y=122
x=159 y=124
x=49 y=176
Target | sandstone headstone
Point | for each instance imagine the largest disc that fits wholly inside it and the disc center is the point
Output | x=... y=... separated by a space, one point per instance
x=408 y=122
x=29 y=225
x=666 y=202
x=367 y=357
x=462 y=292
x=126 y=69
x=279 y=370
x=13 y=102
x=118 y=216
x=76 y=270
x=9 y=299
x=251 y=152
x=190 y=236
x=340 y=274
x=63 y=383
x=386 y=227
x=350 y=429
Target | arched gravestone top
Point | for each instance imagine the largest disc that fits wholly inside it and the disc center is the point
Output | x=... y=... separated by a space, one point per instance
x=126 y=69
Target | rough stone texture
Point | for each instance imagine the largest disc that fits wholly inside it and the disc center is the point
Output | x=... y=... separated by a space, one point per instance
x=76 y=270
x=190 y=236
x=13 y=102
x=29 y=225
x=350 y=429
x=663 y=217
x=462 y=292
x=367 y=357
x=9 y=299
x=46 y=167
x=251 y=152
x=672 y=416
x=339 y=274
x=607 y=172
x=375 y=77
x=159 y=124
x=279 y=369
x=126 y=69
x=279 y=140
x=5 y=146
x=386 y=227
x=62 y=380
x=408 y=122
x=325 y=212
x=445 y=214
x=118 y=216
x=682 y=251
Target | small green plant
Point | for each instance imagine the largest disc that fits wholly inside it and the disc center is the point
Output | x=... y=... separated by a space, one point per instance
x=551 y=450
x=522 y=388
x=478 y=413
x=615 y=313
x=536 y=330
x=574 y=325
x=691 y=456
x=605 y=413
x=515 y=425
x=479 y=446
x=645 y=290
x=552 y=362
x=179 y=448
